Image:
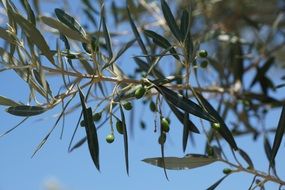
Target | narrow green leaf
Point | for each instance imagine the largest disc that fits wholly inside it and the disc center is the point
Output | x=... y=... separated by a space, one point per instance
x=162 y=159
x=26 y=111
x=246 y=157
x=125 y=133
x=41 y=144
x=262 y=71
x=184 y=23
x=6 y=36
x=69 y=55
x=162 y=42
x=63 y=29
x=223 y=130
x=30 y=12
x=13 y=128
x=78 y=144
x=183 y=103
x=278 y=136
x=10 y=60
x=190 y=48
x=170 y=20
x=138 y=37
x=184 y=120
x=268 y=150
x=145 y=67
x=69 y=21
x=86 y=65
x=107 y=38
x=88 y=4
x=91 y=17
x=40 y=81
x=124 y=48
x=8 y=102
x=190 y=161
x=34 y=35
x=217 y=183
x=186 y=130
x=91 y=131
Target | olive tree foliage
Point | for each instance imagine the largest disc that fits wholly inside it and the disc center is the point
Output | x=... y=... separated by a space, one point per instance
x=206 y=61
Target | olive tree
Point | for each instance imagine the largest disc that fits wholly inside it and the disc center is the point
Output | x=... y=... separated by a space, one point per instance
x=204 y=63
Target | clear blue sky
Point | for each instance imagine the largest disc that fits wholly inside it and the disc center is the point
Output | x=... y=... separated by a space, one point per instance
x=75 y=171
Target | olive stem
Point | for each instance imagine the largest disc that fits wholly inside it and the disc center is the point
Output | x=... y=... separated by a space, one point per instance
x=266 y=177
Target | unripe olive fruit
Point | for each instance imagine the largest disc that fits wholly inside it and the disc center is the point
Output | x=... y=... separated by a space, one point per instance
x=110 y=138
x=227 y=171
x=97 y=116
x=152 y=106
x=162 y=138
x=204 y=64
x=216 y=126
x=139 y=93
x=168 y=120
x=203 y=53
x=128 y=106
x=119 y=127
x=82 y=123
x=164 y=125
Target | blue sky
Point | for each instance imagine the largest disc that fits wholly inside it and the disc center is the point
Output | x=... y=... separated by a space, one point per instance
x=75 y=171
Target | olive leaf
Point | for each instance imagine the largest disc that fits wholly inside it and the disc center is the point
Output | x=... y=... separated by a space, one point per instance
x=190 y=161
x=25 y=111
x=107 y=37
x=170 y=20
x=7 y=102
x=184 y=24
x=30 y=12
x=13 y=128
x=188 y=125
x=91 y=131
x=278 y=136
x=223 y=129
x=69 y=21
x=246 y=157
x=34 y=35
x=138 y=36
x=63 y=29
x=183 y=103
x=162 y=42
x=125 y=133
x=6 y=36
x=212 y=187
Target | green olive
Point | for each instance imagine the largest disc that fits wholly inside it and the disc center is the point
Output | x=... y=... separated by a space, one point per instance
x=216 y=126
x=227 y=171
x=119 y=127
x=152 y=106
x=162 y=138
x=164 y=125
x=128 y=106
x=204 y=64
x=82 y=123
x=139 y=93
x=168 y=120
x=110 y=138
x=97 y=116
x=203 y=53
